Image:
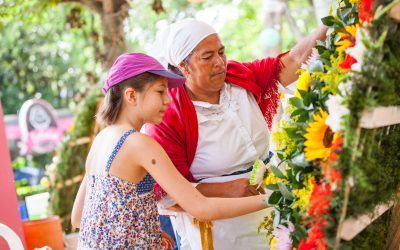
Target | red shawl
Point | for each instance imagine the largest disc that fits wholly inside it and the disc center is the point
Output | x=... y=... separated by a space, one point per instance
x=178 y=132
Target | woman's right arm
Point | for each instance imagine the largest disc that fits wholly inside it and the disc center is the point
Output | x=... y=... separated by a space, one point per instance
x=154 y=159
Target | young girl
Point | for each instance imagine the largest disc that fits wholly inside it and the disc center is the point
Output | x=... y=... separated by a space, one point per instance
x=115 y=206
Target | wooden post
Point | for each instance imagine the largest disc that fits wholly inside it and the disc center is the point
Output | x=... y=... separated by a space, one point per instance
x=393 y=237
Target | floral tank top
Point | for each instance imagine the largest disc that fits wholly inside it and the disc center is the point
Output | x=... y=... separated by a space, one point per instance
x=118 y=214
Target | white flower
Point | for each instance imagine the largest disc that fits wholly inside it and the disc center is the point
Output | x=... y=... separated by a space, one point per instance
x=345 y=88
x=357 y=51
x=336 y=111
x=257 y=174
x=312 y=58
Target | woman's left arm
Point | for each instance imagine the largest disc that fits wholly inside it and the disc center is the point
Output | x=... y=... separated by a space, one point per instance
x=299 y=54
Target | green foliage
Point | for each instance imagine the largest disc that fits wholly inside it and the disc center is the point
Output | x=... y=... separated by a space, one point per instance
x=38 y=58
x=70 y=161
x=373 y=237
x=26 y=190
x=19 y=163
x=371 y=158
x=375 y=169
x=239 y=23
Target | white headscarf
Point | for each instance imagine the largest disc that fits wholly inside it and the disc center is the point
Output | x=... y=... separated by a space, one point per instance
x=175 y=43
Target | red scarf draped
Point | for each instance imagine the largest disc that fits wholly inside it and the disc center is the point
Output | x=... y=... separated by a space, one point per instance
x=178 y=132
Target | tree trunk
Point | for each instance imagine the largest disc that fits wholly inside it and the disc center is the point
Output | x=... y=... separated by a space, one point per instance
x=112 y=15
x=112 y=19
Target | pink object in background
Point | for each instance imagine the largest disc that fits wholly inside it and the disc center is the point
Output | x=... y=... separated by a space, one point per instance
x=9 y=214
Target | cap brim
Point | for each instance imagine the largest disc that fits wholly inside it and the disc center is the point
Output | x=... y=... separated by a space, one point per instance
x=174 y=80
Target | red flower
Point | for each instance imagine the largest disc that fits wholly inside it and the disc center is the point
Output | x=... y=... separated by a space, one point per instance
x=348 y=61
x=320 y=200
x=331 y=174
x=365 y=11
x=316 y=237
x=305 y=245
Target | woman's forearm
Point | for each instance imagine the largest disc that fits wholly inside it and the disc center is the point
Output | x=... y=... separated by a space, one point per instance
x=223 y=208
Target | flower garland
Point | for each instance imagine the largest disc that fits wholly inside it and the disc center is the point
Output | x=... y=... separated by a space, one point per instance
x=313 y=135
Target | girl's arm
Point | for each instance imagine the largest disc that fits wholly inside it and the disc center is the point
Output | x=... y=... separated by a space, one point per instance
x=77 y=209
x=154 y=159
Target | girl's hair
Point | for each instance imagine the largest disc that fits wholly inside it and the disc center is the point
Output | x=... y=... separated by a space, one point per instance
x=109 y=109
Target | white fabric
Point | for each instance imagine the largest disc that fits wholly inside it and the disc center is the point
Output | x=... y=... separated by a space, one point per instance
x=176 y=42
x=232 y=135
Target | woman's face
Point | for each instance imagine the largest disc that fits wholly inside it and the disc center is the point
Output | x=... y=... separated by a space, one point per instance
x=206 y=69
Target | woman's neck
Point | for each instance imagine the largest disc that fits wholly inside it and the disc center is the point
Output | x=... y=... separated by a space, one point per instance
x=203 y=96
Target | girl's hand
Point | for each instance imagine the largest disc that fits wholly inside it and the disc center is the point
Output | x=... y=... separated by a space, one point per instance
x=167 y=242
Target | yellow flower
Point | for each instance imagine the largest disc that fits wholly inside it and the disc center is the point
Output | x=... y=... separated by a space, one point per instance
x=72 y=128
x=272 y=243
x=348 y=38
x=334 y=74
x=271 y=179
x=344 y=44
x=318 y=138
x=304 y=194
x=303 y=83
x=351 y=30
x=355 y=1
x=283 y=141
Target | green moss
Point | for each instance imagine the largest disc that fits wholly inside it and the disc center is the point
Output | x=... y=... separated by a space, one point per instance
x=70 y=161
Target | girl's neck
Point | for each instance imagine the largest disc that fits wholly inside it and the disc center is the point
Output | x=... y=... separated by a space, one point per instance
x=129 y=120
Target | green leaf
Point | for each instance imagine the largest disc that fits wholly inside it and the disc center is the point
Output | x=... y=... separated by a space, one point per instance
x=277 y=172
x=285 y=191
x=274 y=198
x=328 y=20
x=303 y=117
x=316 y=66
x=295 y=101
x=343 y=13
x=306 y=99
x=300 y=160
x=298 y=176
x=272 y=187
x=297 y=112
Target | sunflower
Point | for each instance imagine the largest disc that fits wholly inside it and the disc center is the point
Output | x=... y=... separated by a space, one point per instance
x=318 y=137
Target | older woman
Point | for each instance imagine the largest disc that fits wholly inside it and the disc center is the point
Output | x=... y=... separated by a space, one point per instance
x=218 y=124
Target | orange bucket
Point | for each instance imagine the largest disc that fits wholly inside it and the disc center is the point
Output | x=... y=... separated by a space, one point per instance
x=44 y=232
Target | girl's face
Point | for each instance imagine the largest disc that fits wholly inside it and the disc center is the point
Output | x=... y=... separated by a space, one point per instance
x=153 y=102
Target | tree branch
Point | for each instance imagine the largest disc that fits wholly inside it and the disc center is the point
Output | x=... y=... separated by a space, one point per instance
x=94 y=5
